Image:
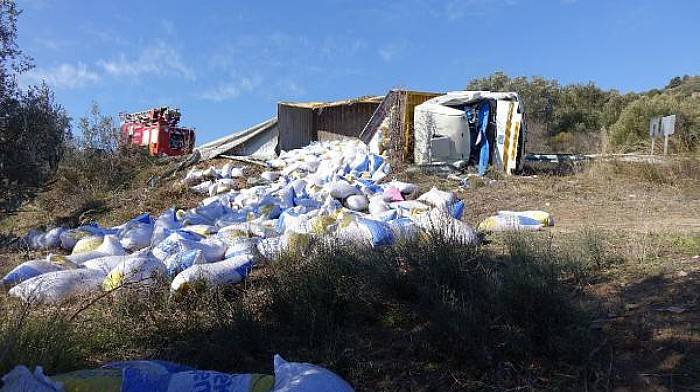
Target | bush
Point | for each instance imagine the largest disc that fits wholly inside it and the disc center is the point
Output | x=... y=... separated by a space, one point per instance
x=33 y=128
x=631 y=131
x=93 y=167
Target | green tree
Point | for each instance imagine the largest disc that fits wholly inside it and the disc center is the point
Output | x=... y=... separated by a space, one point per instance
x=98 y=131
x=33 y=127
x=580 y=108
x=540 y=96
x=12 y=60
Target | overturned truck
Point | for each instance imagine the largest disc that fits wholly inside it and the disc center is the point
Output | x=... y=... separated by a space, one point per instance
x=466 y=128
x=477 y=128
x=462 y=128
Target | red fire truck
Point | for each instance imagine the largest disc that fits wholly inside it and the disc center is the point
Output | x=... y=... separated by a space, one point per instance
x=158 y=130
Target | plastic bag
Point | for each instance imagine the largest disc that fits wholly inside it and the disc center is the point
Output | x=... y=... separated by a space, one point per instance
x=403 y=187
x=239 y=246
x=136 y=235
x=210 y=173
x=237 y=172
x=27 y=270
x=38 y=240
x=165 y=224
x=276 y=163
x=392 y=194
x=270 y=176
x=205 y=214
x=440 y=222
x=105 y=263
x=270 y=248
x=107 y=380
x=202 y=380
x=87 y=244
x=542 y=217
x=58 y=286
x=341 y=190
x=178 y=262
x=381 y=172
x=203 y=187
x=212 y=248
x=357 y=202
x=377 y=205
x=141 y=269
x=438 y=199
x=202 y=230
x=509 y=222
x=367 y=232
x=228 y=271
x=20 y=379
x=293 y=219
x=110 y=246
x=305 y=377
x=404 y=229
x=457 y=209
x=225 y=171
x=193 y=176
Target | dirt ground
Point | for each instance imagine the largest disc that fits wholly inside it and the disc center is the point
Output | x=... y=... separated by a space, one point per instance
x=648 y=305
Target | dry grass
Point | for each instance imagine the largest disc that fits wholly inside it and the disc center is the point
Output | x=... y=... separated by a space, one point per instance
x=425 y=313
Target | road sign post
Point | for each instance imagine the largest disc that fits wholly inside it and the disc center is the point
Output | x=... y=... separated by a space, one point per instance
x=668 y=127
x=654 y=131
x=658 y=126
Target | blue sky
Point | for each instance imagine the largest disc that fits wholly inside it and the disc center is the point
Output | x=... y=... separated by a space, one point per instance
x=227 y=63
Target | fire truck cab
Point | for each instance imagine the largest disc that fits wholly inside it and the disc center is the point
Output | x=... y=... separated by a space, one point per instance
x=157 y=129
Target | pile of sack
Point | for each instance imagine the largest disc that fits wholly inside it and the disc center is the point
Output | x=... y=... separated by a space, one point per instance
x=334 y=190
x=161 y=376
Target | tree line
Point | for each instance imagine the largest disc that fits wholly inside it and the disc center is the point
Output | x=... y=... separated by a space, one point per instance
x=566 y=118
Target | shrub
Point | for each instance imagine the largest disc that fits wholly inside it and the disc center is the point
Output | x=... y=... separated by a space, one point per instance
x=33 y=128
x=93 y=167
x=631 y=131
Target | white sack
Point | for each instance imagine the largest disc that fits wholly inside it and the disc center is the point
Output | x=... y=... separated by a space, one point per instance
x=58 y=286
x=229 y=271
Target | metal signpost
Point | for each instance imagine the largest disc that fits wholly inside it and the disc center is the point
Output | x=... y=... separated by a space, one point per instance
x=654 y=131
x=665 y=126
x=668 y=126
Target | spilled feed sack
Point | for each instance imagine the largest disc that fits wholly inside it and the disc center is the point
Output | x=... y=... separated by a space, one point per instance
x=336 y=190
x=163 y=376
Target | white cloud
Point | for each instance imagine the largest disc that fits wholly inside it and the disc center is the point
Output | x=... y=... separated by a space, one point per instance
x=341 y=45
x=52 y=44
x=67 y=76
x=158 y=60
x=232 y=89
x=457 y=9
x=107 y=36
x=290 y=89
x=389 y=52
